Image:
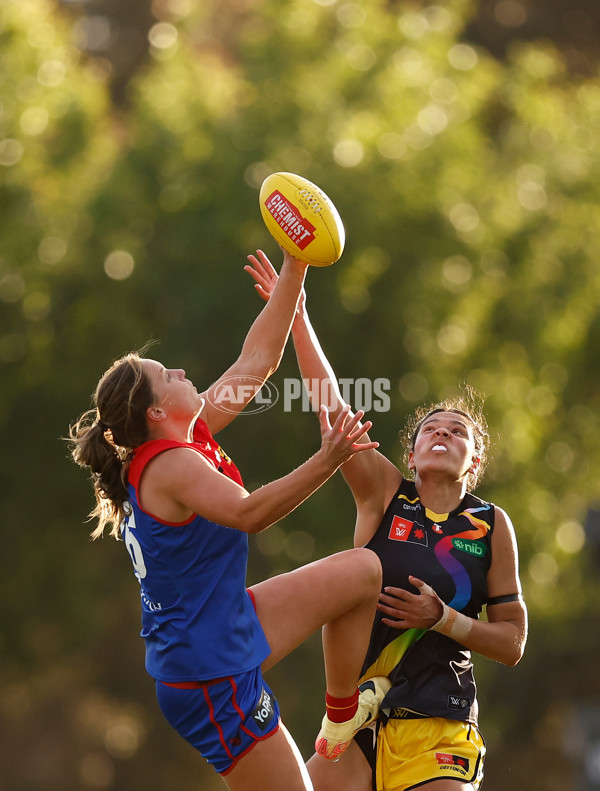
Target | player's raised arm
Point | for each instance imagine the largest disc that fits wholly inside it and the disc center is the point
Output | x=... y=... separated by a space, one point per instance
x=370 y=475
x=308 y=228
x=180 y=483
x=261 y=351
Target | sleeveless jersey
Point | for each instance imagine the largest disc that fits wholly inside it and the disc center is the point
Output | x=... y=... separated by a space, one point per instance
x=431 y=674
x=198 y=620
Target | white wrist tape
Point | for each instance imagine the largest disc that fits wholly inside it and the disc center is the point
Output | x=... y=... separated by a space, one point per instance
x=453 y=624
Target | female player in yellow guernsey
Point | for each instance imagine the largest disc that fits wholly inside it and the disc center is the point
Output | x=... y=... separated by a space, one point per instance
x=445 y=554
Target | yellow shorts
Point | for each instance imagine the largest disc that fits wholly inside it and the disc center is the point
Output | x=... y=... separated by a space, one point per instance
x=411 y=752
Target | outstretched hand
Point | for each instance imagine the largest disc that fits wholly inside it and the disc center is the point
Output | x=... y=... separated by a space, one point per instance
x=263 y=272
x=411 y=610
x=266 y=277
x=342 y=440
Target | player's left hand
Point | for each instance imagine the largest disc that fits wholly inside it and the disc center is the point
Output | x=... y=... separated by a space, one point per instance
x=408 y=610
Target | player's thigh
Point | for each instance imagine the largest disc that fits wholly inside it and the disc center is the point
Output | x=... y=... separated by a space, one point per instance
x=274 y=764
x=294 y=605
x=350 y=773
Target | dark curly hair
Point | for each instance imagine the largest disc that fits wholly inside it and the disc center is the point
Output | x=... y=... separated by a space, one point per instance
x=470 y=406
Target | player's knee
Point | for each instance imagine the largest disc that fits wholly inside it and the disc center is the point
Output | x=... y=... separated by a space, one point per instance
x=370 y=569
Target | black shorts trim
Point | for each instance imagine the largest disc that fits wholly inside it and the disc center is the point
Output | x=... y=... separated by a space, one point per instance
x=366 y=740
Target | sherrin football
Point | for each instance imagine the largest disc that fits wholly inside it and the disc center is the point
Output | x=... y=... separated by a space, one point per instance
x=302 y=219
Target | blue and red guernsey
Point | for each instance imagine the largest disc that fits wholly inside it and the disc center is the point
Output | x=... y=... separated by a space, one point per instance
x=198 y=620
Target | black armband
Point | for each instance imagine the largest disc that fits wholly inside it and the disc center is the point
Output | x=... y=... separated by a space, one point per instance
x=504 y=599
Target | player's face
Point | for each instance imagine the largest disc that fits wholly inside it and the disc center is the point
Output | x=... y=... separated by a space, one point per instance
x=173 y=393
x=445 y=443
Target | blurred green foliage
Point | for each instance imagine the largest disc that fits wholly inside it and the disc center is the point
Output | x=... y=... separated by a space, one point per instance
x=469 y=191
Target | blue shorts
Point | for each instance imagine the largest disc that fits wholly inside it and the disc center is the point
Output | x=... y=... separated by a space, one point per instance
x=222 y=719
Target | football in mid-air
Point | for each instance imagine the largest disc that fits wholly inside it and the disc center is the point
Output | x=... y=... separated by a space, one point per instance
x=302 y=219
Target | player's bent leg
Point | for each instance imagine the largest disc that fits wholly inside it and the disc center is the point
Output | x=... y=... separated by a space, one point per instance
x=341 y=590
x=274 y=764
x=340 y=594
x=351 y=772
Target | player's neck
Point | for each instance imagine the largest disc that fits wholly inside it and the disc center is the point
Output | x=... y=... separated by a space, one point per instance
x=173 y=429
x=440 y=496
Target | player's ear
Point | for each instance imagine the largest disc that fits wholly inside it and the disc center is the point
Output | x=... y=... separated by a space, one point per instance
x=411 y=461
x=155 y=413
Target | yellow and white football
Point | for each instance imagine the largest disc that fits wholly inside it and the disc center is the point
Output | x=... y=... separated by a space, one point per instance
x=302 y=219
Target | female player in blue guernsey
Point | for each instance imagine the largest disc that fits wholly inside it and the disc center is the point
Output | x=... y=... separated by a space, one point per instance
x=164 y=485
x=445 y=554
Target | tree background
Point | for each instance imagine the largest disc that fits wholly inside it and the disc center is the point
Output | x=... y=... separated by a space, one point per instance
x=459 y=142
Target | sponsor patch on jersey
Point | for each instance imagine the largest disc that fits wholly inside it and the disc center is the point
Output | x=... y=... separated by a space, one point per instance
x=263 y=713
x=471 y=547
x=409 y=505
x=405 y=530
x=456 y=702
x=457 y=761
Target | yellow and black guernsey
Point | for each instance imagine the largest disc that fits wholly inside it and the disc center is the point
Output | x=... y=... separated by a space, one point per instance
x=431 y=674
